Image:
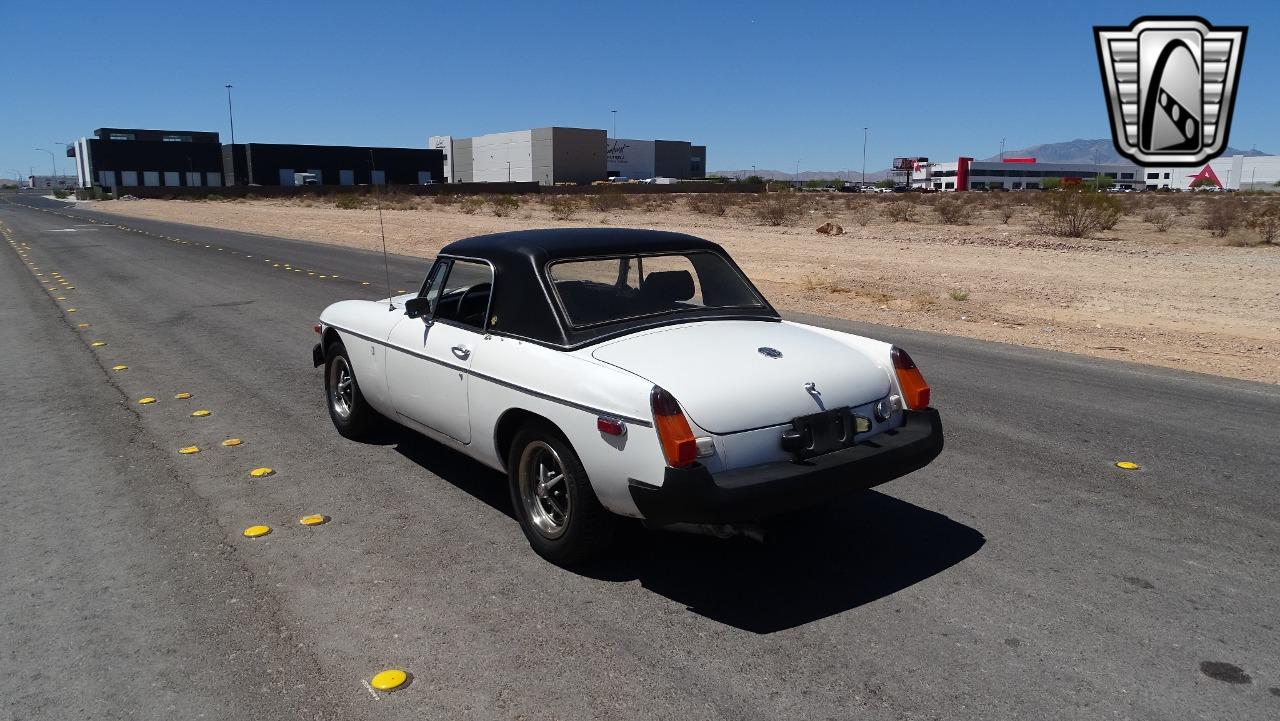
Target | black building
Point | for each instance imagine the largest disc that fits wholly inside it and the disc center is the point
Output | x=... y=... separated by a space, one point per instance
x=130 y=157
x=275 y=164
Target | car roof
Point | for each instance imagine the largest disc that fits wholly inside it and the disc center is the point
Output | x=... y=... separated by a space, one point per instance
x=522 y=303
x=557 y=243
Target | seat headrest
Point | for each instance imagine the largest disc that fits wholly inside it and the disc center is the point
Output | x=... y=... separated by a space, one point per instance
x=668 y=285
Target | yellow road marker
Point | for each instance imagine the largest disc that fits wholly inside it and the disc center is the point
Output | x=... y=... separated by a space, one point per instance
x=402 y=290
x=82 y=325
x=364 y=282
x=59 y=298
x=316 y=519
x=182 y=396
x=262 y=472
x=147 y=401
x=71 y=310
x=71 y=287
x=389 y=680
x=200 y=413
x=98 y=343
x=121 y=367
x=1128 y=465
x=232 y=442
x=256 y=531
x=189 y=450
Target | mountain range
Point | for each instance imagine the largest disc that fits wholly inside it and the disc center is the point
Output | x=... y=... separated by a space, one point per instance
x=1071 y=151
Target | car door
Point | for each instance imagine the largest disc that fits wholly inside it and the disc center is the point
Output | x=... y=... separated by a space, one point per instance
x=430 y=356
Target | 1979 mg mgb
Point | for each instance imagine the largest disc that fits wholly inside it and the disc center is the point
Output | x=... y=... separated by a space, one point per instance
x=630 y=373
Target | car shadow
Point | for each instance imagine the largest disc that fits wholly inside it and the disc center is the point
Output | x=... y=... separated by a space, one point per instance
x=810 y=566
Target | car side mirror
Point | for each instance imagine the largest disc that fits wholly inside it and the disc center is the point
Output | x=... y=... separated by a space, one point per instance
x=417 y=307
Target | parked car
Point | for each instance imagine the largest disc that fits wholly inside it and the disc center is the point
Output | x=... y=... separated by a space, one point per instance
x=617 y=372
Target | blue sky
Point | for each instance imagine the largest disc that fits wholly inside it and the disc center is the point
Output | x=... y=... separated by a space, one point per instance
x=760 y=83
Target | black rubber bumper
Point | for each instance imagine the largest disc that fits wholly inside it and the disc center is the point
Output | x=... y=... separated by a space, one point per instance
x=317 y=356
x=695 y=495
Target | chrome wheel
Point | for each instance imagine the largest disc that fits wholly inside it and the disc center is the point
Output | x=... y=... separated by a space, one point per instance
x=544 y=489
x=341 y=388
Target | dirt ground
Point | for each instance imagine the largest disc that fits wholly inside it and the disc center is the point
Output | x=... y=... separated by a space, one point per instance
x=1180 y=299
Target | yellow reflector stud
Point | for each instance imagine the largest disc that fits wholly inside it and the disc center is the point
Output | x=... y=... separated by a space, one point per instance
x=256 y=531
x=189 y=450
x=200 y=413
x=231 y=442
x=364 y=282
x=262 y=472
x=82 y=325
x=59 y=298
x=316 y=519
x=1128 y=465
x=147 y=401
x=121 y=367
x=98 y=343
x=71 y=310
x=182 y=396
x=389 y=680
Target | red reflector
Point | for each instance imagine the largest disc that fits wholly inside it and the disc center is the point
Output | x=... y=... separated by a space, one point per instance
x=317 y=327
x=610 y=426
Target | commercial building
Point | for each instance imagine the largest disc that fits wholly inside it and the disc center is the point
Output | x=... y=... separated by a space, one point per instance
x=53 y=182
x=280 y=164
x=124 y=157
x=1017 y=174
x=565 y=155
x=1235 y=172
x=644 y=159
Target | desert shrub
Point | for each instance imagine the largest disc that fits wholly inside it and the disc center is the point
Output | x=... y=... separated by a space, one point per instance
x=862 y=212
x=708 y=204
x=960 y=295
x=780 y=209
x=1159 y=218
x=953 y=211
x=349 y=201
x=562 y=207
x=1076 y=214
x=658 y=201
x=1006 y=211
x=445 y=198
x=60 y=194
x=503 y=205
x=1265 y=220
x=471 y=205
x=214 y=198
x=1221 y=216
x=609 y=199
x=899 y=211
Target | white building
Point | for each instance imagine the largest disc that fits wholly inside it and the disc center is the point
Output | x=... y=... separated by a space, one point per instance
x=1019 y=174
x=1235 y=172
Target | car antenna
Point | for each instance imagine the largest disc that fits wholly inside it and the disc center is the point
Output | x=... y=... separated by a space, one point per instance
x=386 y=264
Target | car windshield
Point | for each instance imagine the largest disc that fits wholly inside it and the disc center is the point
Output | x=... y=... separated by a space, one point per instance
x=603 y=290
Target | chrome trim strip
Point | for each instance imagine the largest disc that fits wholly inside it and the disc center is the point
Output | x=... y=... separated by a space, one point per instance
x=498 y=381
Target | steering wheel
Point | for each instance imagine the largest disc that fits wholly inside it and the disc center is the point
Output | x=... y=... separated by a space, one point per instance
x=478 y=289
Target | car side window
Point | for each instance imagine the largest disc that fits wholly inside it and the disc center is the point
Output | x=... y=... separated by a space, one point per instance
x=435 y=281
x=464 y=296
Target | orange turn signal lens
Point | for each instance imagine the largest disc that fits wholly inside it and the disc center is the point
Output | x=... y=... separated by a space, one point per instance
x=915 y=391
x=317 y=327
x=678 y=444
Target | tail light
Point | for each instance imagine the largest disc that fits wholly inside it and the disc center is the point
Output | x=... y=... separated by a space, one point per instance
x=678 y=444
x=914 y=389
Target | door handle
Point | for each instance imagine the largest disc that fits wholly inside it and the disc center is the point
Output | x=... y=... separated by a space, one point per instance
x=462 y=352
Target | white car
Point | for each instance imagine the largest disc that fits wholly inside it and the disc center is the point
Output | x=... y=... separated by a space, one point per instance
x=612 y=372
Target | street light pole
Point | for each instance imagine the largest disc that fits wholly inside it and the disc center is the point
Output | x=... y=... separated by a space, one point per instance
x=53 y=161
x=615 y=123
x=231 y=117
x=864 y=156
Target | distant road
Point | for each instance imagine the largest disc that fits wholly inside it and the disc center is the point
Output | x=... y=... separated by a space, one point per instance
x=1021 y=576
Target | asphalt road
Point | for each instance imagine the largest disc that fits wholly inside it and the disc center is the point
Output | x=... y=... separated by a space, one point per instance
x=1021 y=576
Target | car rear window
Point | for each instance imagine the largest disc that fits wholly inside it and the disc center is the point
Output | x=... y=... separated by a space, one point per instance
x=614 y=288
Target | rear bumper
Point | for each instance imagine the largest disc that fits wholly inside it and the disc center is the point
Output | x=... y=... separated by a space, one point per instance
x=695 y=495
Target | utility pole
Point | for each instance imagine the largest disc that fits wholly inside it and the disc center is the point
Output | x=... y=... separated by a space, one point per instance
x=615 y=124
x=864 y=156
x=797 y=173
x=1002 y=150
x=508 y=171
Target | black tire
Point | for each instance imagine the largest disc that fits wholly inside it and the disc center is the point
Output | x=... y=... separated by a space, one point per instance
x=360 y=421
x=588 y=531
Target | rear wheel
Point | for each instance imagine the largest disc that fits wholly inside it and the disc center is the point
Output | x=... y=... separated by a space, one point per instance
x=554 y=502
x=351 y=413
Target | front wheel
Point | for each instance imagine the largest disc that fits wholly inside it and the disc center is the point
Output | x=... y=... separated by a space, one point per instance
x=351 y=413
x=557 y=509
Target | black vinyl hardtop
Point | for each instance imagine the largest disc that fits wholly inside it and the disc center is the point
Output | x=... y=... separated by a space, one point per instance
x=524 y=305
